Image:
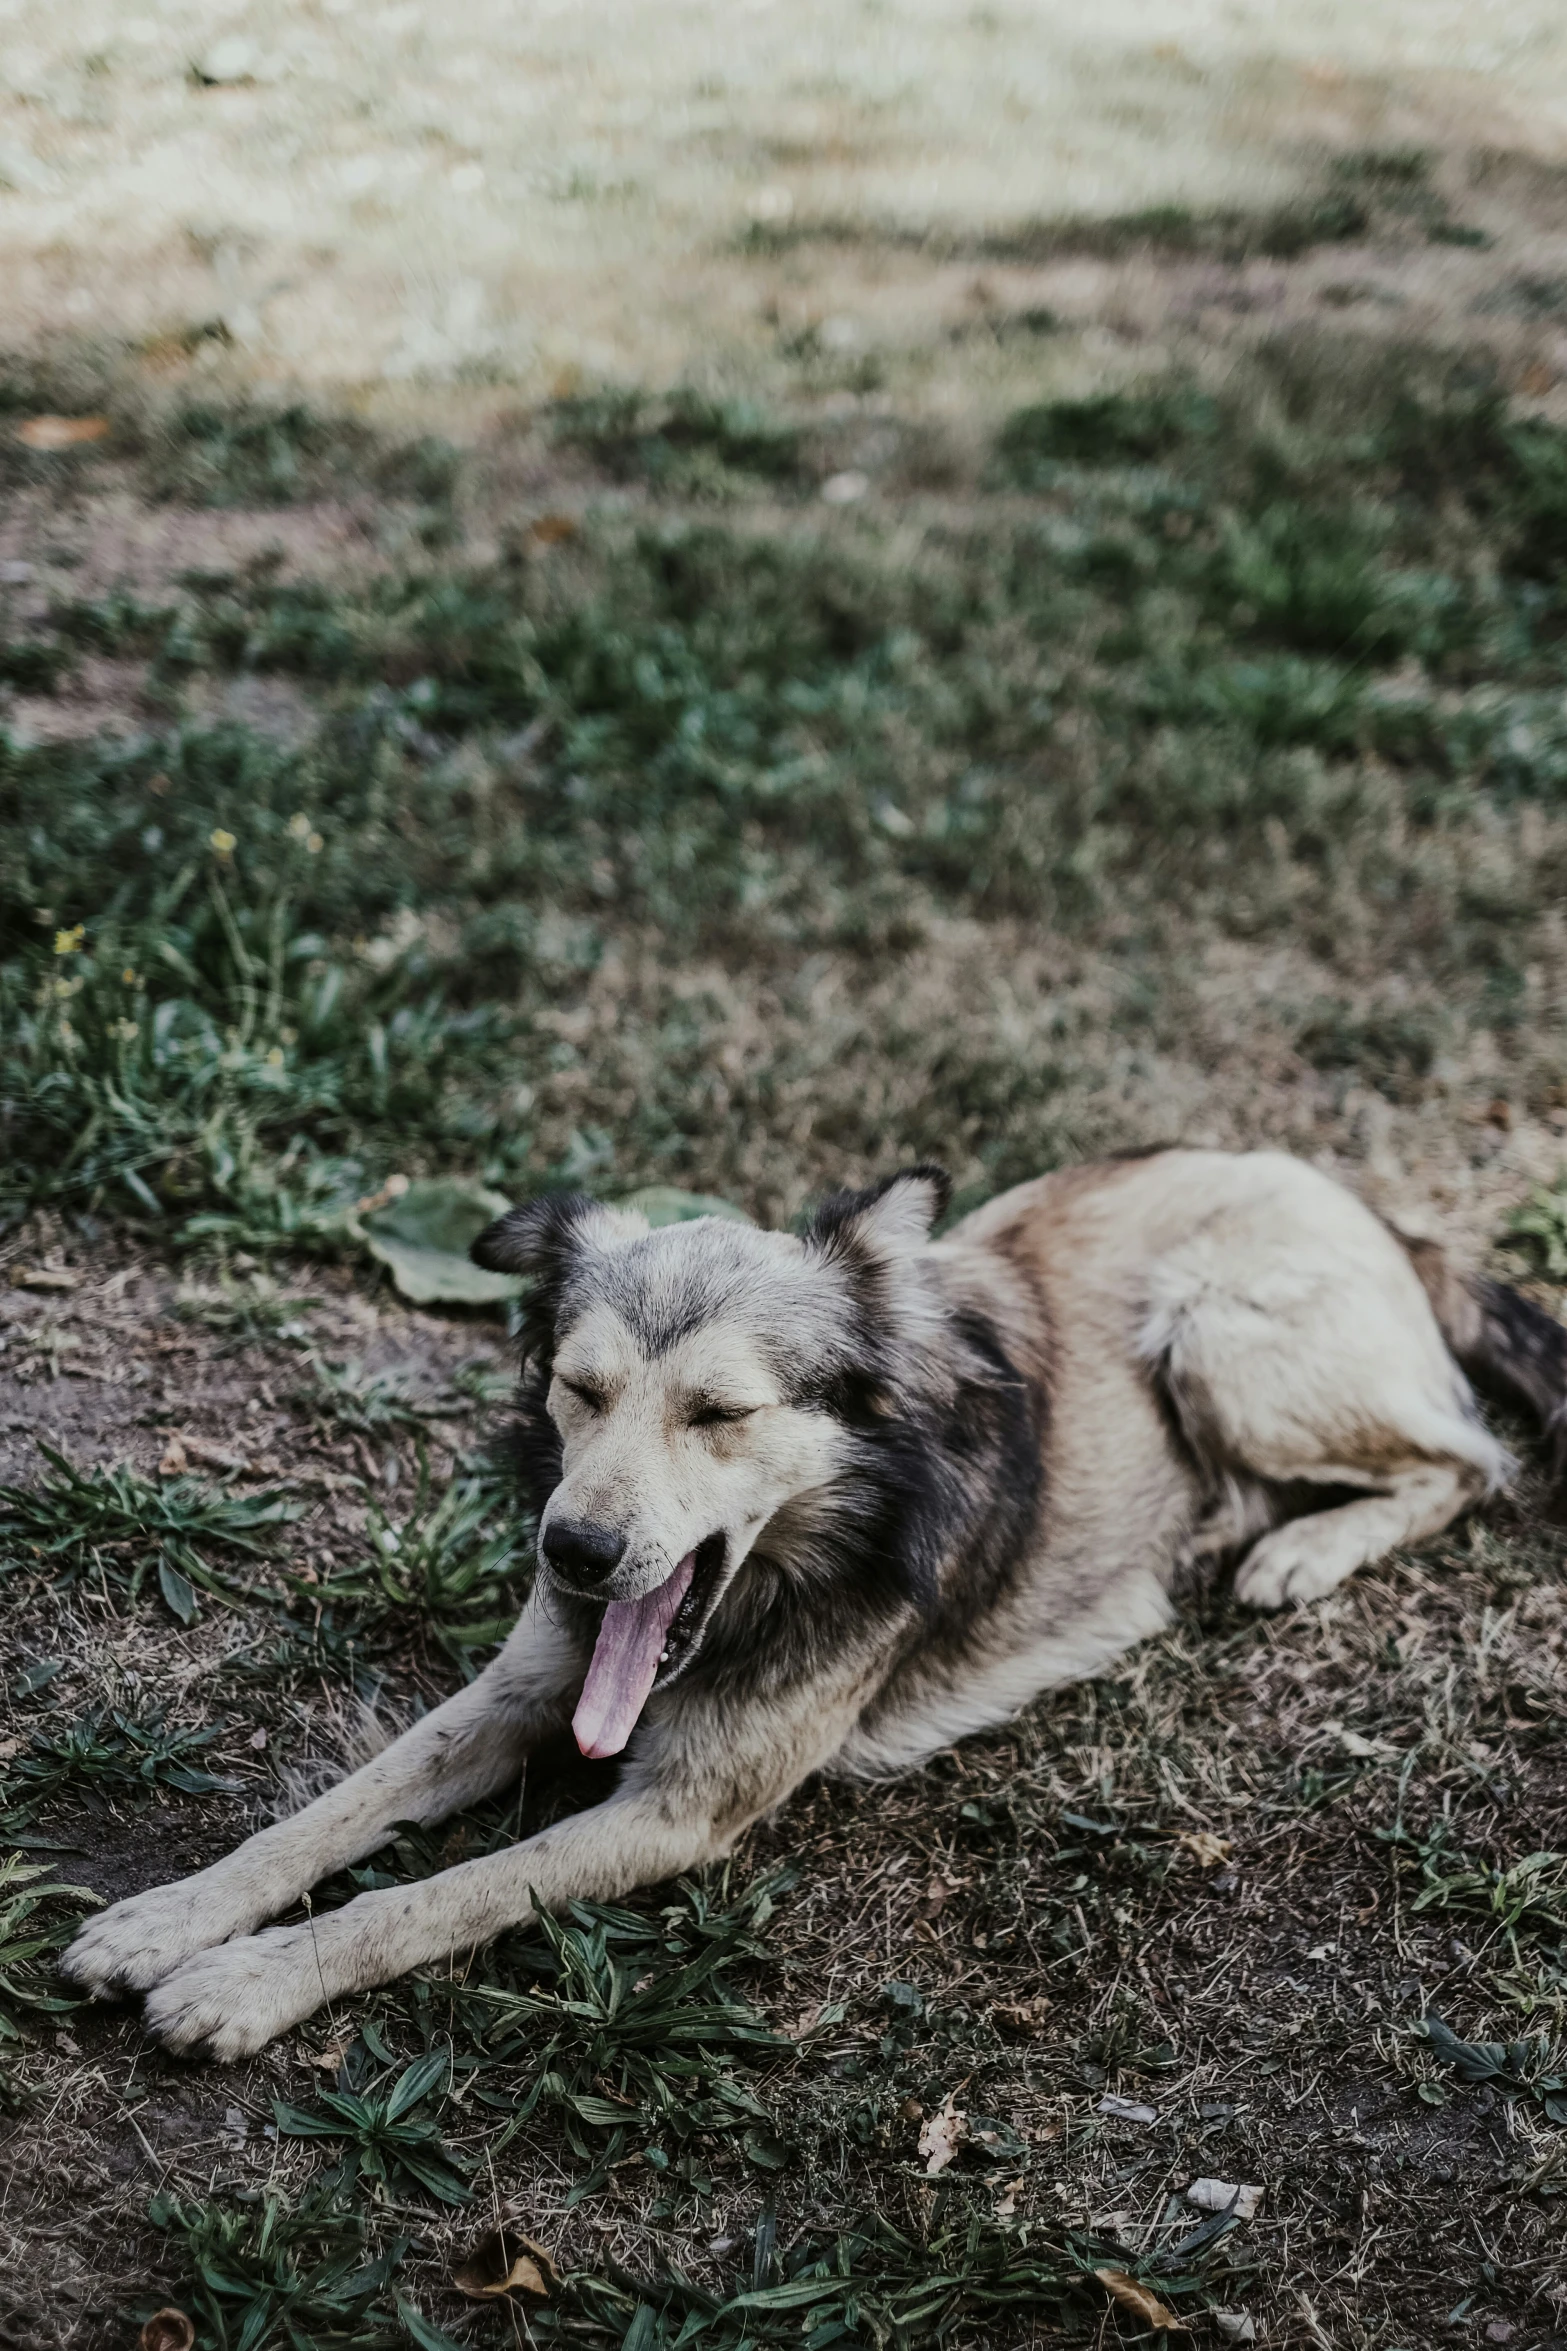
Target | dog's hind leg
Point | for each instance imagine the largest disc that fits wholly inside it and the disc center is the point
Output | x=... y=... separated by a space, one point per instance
x=1310 y=1556
x=1297 y=1347
x=459 y=1752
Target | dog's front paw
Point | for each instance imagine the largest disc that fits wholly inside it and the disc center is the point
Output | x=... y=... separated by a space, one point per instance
x=233 y=2000
x=139 y=1942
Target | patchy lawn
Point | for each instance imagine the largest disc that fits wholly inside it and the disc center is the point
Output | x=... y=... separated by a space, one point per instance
x=602 y=804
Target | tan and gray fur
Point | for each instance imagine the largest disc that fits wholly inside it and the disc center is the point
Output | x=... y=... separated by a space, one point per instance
x=923 y=1480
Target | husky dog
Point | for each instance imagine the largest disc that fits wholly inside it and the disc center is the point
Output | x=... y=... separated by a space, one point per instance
x=832 y=1501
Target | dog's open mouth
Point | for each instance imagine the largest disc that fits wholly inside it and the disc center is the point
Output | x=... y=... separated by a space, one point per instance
x=641 y=1645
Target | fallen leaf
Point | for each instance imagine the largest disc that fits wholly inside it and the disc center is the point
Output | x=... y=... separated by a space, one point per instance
x=551 y=529
x=66 y=432
x=167 y=2330
x=1126 y=2109
x=1140 y=2302
x=941 y=2135
x=1224 y=2196
x=422 y=1234
x=1206 y=1849
x=666 y=1204
x=211 y=1456
x=1009 y=2197
x=174 y=1460
x=1024 y=2018
x=506 y=2262
x=258 y=1740
x=44 y=1277
x=329 y=2058
x=1236 y=2326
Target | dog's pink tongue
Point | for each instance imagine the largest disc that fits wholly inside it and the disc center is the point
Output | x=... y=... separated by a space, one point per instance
x=625 y=1663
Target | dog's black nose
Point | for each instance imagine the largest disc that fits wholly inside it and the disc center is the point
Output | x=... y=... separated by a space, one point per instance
x=581 y=1552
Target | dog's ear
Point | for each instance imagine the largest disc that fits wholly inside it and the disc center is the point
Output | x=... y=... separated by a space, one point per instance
x=890 y=1220
x=537 y=1240
x=541 y=1241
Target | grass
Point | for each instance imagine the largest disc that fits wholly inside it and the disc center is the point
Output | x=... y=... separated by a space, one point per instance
x=32 y=1928
x=108 y=1748
x=1221 y=655
x=1189 y=758
x=388 y=2134
x=640 y=2033
x=113 y=1525
x=282 y=2274
x=452 y=1564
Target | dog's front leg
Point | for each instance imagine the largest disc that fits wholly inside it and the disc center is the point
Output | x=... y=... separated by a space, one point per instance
x=235 y=1999
x=697 y=1777
x=463 y=1750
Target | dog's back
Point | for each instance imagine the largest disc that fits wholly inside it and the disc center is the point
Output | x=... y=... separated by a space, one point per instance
x=1225 y=1344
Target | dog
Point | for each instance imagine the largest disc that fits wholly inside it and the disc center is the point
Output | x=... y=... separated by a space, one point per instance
x=830 y=1502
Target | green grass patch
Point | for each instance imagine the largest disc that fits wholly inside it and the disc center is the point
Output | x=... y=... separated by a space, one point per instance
x=111 y=1749
x=455 y=1566
x=1229 y=660
x=117 y=1530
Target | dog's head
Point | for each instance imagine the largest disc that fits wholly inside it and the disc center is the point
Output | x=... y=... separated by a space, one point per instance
x=689 y=1385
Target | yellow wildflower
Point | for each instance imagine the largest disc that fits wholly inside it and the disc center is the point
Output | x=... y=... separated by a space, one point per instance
x=224 y=842
x=275 y=1057
x=70 y=942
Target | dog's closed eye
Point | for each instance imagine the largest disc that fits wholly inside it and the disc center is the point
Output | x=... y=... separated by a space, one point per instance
x=592 y=1398
x=706 y=1414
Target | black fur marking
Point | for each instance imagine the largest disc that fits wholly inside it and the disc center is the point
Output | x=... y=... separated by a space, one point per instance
x=539 y=1241
x=954 y=1478
x=1522 y=1351
x=534 y=1440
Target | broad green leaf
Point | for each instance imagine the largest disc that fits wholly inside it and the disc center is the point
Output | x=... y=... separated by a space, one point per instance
x=601 y=2112
x=423 y=1240
x=370 y=2034
x=177 y=1590
x=441 y=2180
x=294 y=2123
x=663 y=1204
x=420 y=2079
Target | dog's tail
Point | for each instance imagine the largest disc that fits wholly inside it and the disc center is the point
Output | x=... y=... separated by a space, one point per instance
x=1502 y=1340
